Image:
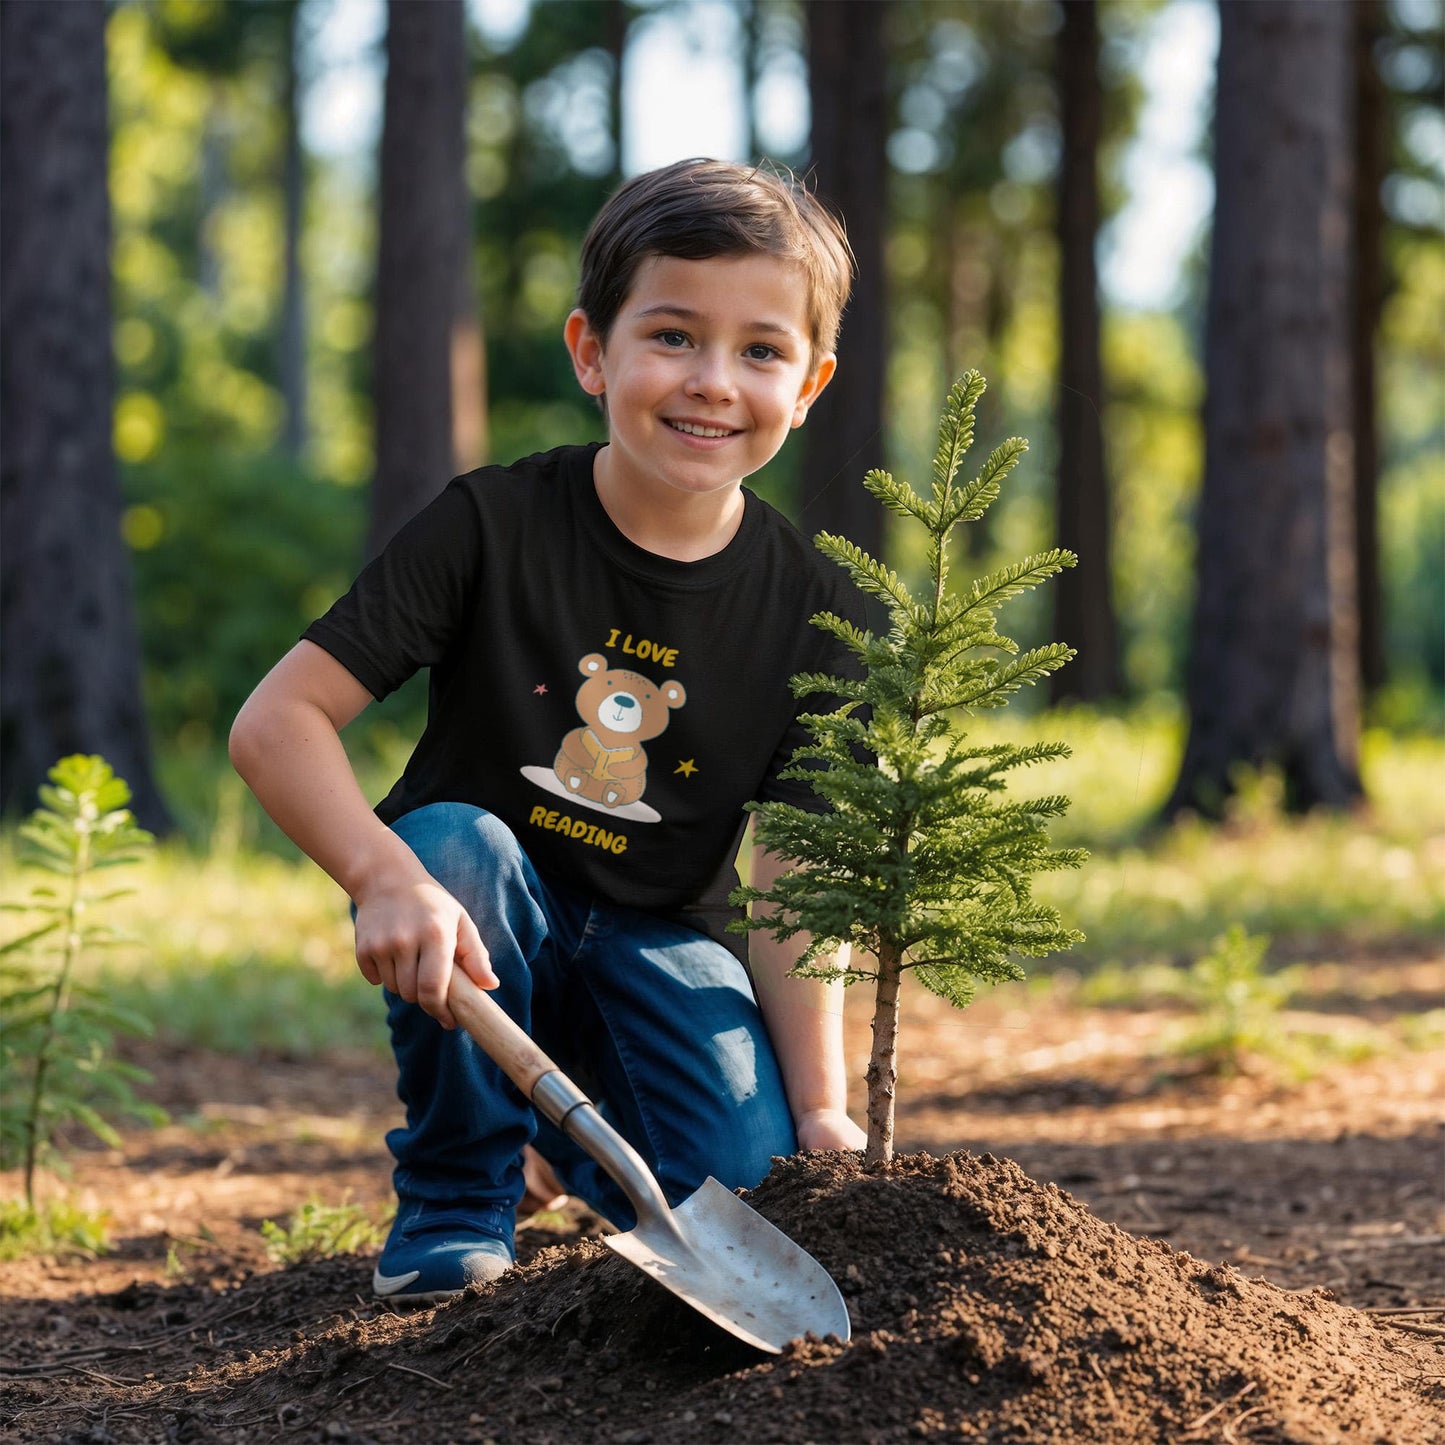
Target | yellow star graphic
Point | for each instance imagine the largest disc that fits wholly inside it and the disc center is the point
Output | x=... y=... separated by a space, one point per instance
x=687 y=768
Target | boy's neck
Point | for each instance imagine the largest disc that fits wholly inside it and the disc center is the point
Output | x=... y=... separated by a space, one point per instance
x=678 y=526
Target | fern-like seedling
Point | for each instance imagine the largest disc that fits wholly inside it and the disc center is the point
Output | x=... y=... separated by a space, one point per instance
x=921 y=861
x=57 y=1068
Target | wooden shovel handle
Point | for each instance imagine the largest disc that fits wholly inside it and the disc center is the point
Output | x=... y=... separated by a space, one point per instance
x=505 y=1043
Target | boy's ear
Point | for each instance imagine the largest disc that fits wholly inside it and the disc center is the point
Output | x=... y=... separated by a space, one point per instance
x=585 y=348
x=813 y=387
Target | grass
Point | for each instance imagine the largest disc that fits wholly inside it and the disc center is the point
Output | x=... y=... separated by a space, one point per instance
x=1314 y=883
x=246 y=948
x=54 y=1226
x=239 y=951
x=323 y=1231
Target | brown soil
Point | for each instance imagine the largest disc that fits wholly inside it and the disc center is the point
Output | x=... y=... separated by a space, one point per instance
x=1161 y=1256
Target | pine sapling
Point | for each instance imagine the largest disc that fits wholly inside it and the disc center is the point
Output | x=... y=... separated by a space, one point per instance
x=922 y=860
x=56 y=1064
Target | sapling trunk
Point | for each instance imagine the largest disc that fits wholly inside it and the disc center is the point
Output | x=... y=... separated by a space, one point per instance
x=882 y=1073
x=35 y=1139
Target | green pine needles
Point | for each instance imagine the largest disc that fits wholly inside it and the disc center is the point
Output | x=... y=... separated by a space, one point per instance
x=924 y=861
x=56 y=1064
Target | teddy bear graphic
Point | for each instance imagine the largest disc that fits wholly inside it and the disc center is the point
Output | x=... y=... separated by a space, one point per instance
x=603 y=761
x=602 y=764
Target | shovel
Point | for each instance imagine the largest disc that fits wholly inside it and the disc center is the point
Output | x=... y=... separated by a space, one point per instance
x=713 y=1251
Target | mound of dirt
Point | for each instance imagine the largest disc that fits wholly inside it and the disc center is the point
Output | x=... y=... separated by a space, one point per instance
x=985 y=1307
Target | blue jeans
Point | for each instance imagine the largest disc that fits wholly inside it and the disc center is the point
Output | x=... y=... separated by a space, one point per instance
x=656 y=1022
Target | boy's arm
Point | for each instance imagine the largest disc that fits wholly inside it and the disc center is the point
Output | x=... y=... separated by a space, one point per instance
x=286 y=744
x=804 y=1018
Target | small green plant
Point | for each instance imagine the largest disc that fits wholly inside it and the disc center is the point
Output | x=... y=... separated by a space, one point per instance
x=57 y=1067
x=920 y=861
x=1424 y=1032
x=321 y=1231
x=56 y=1227
x=1239 y=1002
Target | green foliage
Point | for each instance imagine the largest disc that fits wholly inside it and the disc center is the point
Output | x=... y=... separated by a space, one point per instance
x=248 y=1005
x=1425 y=1032
x=921 y=851
x=1238 y=1001
x=57 y=1067
x=923 y=860
x=1241 y=1021
x=229 y=570
x=56 y=1227
x=322 y=1231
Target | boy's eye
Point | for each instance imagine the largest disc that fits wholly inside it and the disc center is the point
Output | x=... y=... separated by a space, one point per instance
x=672 y=338
x=761 y=351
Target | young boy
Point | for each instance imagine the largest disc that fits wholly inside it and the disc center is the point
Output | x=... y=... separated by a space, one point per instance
x=610 y=632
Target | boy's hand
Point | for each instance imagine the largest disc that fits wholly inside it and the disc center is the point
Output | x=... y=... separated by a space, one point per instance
x=408 y=939
x=829 y=1129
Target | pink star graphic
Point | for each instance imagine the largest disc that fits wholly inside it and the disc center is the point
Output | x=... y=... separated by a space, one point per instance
x=541 y=689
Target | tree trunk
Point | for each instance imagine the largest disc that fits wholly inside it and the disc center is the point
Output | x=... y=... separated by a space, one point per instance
x=1273 y=672
x=882 y=1073
x=422 y=247
x=619 y=21
x=843 y=439
x=1083 y=595
x=1372 y=160
x=71 y=680
x=292 y=340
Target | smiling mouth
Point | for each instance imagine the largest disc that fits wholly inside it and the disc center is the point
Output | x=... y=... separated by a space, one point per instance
x=693 y=429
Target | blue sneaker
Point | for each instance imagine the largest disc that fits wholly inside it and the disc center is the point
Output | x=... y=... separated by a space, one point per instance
x=434 y=1251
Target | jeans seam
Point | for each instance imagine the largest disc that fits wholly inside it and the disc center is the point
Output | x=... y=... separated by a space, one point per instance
x=590 y=932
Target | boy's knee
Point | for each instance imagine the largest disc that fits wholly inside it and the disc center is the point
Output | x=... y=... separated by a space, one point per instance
x=452 y=837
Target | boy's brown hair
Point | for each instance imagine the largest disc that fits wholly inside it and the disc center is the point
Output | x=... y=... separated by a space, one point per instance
x=698 y=209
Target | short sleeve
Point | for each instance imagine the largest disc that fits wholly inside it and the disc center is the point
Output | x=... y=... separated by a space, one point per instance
x=407 y=605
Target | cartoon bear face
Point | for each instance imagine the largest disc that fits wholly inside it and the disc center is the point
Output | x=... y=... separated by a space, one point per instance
x=624 y=707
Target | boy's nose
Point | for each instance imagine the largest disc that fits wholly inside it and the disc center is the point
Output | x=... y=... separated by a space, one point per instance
x=712 y=378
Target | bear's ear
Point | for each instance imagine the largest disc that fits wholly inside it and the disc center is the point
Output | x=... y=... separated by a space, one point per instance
x=592 y=664
x=673 y=694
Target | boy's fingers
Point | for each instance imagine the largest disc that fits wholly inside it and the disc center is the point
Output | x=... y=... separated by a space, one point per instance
x=433 y=974
x=472 y=954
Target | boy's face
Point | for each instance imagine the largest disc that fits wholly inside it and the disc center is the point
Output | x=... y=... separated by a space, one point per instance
x=708 y=366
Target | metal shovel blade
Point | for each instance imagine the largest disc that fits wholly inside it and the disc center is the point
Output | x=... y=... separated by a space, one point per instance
x=731 y=1265
x=713 y=1251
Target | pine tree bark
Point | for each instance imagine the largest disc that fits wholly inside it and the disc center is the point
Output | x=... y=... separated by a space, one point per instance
x=843 y=439
x=1083 y=595
x=1273 y=671
x=71 y=679
x=422 y=248
x=1372 y=160
x=291 y=344
x=882 y=1075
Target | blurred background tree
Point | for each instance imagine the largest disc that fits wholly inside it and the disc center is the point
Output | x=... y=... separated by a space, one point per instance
x=1274 y=653
x=429 y=426
x=248 y=205
x=849 y=105
x=72 y=664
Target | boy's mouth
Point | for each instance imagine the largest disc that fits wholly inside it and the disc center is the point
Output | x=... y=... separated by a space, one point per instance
x=698 y=429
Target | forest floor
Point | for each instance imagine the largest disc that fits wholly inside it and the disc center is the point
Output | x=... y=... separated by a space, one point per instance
x=1108 y=1243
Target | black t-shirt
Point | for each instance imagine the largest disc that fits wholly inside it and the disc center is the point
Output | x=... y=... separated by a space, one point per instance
x=615 y=708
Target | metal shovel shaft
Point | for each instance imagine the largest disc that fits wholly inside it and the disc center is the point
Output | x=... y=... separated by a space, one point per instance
x=713 y=1251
